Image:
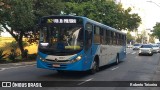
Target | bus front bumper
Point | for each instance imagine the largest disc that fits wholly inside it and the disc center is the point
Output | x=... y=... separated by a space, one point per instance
x=76 y=66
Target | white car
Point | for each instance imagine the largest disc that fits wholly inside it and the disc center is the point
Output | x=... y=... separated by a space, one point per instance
x=156 y=48
x=158 y=44
x=146 y=49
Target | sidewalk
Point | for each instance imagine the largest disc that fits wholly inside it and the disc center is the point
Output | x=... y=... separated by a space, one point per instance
x=157 y=73
x=17 y=64
x=156 y=77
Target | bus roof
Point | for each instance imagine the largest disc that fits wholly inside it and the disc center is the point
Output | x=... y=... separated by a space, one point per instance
x=87 y=20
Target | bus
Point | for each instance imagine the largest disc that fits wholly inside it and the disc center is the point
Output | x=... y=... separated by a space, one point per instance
x=76 y=43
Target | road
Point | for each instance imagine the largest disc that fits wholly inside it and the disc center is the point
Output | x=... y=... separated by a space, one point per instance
x=134 y=68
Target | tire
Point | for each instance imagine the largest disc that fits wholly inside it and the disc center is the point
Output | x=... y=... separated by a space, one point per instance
x=95 y=67
x=151 y=54
x=117 y=60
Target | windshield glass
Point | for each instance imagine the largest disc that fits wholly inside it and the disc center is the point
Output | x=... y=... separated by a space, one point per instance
x=146 y=46
x=154 y=45
x=61 y=39
x=136 y=44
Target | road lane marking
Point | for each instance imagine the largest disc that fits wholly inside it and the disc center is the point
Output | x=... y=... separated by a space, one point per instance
x=128 y=52
x=114 y=68
x=2 y=69
x=133 y=53
x=85 y=81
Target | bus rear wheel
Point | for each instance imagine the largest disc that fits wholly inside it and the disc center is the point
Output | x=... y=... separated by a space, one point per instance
x=117 y=60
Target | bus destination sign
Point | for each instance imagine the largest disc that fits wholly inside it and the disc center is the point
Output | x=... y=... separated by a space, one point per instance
x=61 y=21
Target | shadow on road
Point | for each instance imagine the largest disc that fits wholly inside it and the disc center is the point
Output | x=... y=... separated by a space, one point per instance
x=73 y=75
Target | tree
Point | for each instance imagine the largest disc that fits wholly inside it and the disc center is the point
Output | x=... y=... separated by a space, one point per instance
x=43 y=8
x=151 y=39
x=1 y=30
x=22 y=16
x=129 y=37
x=156 y=30
x=18 y=15
x=104 y=11
x=47 y=7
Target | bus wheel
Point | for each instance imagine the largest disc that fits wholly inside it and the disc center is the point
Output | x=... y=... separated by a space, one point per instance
x=117 y=60
x=95 y=67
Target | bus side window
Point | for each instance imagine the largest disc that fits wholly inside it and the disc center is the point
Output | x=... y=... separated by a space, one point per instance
x=117 y=38
x=124 y=40
x=96 y=34
x=88 y=36
x=112 y=38
x=120 y=39
x=117 y=35
x=102 y=36
x=108 y=37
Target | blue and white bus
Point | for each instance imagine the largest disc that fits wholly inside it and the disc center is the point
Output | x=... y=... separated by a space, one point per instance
x=75 y=43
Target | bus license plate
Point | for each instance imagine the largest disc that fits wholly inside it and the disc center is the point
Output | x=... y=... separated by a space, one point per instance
x=56 y=65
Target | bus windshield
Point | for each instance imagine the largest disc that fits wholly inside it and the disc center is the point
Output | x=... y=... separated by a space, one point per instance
x=60 y=40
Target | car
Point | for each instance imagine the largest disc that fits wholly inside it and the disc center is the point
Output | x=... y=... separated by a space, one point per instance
x=146 y=49
x=156 y=48
x=136 y=46
x=158 y=44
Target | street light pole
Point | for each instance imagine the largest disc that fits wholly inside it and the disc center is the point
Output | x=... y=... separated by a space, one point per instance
x=154 y=3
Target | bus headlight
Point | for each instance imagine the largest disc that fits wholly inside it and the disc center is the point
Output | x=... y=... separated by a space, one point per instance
x=76 y=59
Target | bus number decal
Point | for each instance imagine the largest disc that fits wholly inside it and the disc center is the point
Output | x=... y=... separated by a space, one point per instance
x=61 y=21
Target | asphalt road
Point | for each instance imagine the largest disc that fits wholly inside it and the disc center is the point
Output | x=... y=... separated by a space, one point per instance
x=134 y=68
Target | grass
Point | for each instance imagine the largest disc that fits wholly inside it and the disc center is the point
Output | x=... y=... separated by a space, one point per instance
x=31 y=49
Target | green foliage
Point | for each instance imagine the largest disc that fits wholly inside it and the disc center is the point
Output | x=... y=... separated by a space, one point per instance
x=104 y=11
x=156 y=30
x=19 y=16
x=46 y=7
x=32 y=56
x=14 y=45
x=129 y=37
x=138 y=40
x=23 y=15
x=12 y=56
x=1 y=28
x=151 y=39
x=25 y=54
x=2 y=55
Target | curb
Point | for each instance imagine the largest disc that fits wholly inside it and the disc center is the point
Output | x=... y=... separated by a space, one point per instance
x=20 y=63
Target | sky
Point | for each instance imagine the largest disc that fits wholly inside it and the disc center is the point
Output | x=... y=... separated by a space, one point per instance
x=148 y=10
